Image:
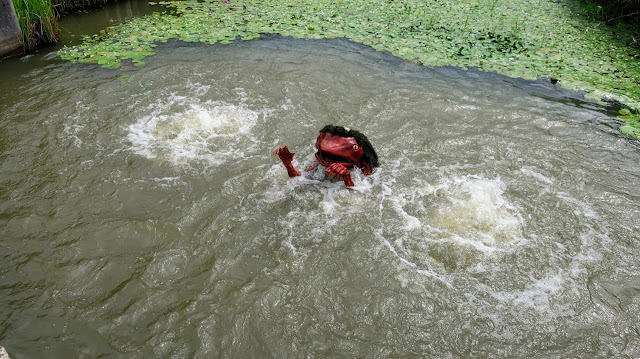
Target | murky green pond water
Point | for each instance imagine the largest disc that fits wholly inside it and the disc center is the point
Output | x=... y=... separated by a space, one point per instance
x=143 y=214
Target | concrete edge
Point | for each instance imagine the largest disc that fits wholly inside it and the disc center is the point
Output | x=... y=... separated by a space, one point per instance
x=10 y=33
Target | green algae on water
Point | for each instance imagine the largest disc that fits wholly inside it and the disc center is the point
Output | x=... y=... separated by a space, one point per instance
x=632 y=123
x=529 y=39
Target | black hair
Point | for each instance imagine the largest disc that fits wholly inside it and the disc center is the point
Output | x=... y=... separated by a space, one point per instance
x=368 y=153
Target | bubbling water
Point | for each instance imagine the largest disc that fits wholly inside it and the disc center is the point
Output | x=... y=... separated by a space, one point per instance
x=453 y=222
x=474 y=210
x=208 y=132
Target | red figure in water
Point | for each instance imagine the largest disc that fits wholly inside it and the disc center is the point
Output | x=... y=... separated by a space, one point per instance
x=339 y=149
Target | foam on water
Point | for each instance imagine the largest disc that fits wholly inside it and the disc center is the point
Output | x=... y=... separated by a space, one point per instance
x=452 y=222
x=473 y=209
x=536 y=175
x=209 y=132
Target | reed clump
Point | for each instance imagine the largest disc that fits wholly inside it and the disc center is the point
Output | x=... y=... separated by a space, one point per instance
x=38 y=19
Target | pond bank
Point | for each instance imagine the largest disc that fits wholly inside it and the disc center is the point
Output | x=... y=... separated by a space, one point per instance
x=38 y=22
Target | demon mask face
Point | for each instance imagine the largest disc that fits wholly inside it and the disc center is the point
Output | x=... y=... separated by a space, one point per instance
x=337 y=144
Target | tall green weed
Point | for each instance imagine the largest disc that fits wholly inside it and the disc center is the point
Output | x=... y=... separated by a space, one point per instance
x=38 y=19
x=38 y=22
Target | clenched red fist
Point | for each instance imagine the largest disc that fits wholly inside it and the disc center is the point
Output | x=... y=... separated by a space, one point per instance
x=338 y=170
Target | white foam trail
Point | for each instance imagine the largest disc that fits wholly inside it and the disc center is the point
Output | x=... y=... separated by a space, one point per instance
x=580 y=208
x=410 y=264
x=198 y=88
x=72 y=131
x=536 y=175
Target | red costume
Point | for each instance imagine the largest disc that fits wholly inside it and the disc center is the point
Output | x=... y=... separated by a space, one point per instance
x=339 y=149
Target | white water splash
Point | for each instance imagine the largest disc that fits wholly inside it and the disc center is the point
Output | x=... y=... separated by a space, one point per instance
x=454 y=222
x=475 y=210
x=211 y=132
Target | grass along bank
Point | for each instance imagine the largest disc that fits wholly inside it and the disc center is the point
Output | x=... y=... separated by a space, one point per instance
x=38 y=22
x=38 y=19
x=547 y=38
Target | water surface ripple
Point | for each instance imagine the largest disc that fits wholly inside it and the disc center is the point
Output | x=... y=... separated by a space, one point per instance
x=143 y=214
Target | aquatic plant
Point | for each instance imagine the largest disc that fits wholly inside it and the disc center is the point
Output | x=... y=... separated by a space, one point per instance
x=38 y=19
x=38 y=22
x=632 y=123
x=520 y=39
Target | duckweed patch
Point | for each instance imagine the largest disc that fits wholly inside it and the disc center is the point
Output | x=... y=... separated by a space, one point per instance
x=516 y=38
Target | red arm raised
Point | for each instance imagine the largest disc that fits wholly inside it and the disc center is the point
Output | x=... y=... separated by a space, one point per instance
x=286 y=157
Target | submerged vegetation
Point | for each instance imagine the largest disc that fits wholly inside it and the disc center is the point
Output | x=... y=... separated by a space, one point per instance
x=536 y=38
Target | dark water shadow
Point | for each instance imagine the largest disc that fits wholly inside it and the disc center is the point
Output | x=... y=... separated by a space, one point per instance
x=543 y=87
